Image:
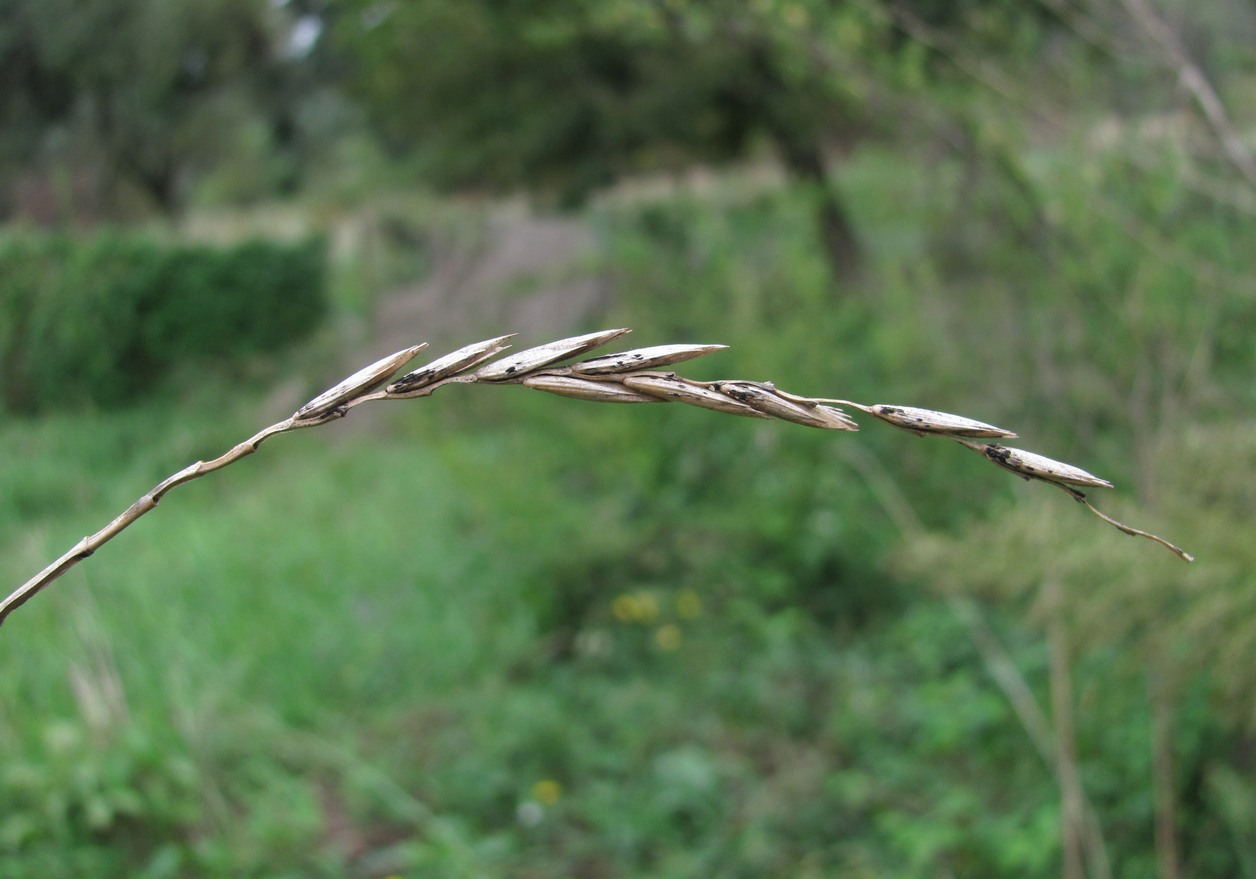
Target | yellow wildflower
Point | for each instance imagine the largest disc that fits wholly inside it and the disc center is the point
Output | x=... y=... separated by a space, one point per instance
x=647 y=607
x=547 y=791
x=624 y=607
x=668 y=637
x=688 y=604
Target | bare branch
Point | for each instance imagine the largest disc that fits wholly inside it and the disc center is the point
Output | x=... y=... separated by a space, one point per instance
x=1192 y=79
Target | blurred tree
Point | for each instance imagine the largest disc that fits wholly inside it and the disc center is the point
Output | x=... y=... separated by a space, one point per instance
x=123 y=97
x=564 y=97
x=1118 y=621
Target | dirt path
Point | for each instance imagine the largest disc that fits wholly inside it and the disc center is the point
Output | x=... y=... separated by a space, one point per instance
x=524 y=273
x=520 y=272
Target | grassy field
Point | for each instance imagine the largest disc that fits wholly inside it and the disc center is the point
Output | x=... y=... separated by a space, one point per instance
x=392 y=653
x=329 y=654
x=327 y=659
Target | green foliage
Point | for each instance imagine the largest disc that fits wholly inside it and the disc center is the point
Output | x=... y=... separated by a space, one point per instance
x=668 y=498
x=104 y=319
x=1079 y=275
x=567 y=96
x=562 y=99
x=711 y=647
x=499 y=633
x=119 y=108
x=129 y=792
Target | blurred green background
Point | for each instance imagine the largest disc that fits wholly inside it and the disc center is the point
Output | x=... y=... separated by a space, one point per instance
x=500 y=634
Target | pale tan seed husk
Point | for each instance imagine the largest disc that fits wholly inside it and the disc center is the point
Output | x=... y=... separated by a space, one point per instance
x=765 y=399
x=366 y=379
x=519 y=365
x=451 y=364
x=583 y=389
x=1033 y=465
x=923 y=421
x=671 y=388
x=642 y=358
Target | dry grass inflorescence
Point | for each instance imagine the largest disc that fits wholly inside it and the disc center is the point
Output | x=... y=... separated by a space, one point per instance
x=637 y=376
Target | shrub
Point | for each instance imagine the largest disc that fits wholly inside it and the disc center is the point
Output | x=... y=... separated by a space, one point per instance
x=99 y=320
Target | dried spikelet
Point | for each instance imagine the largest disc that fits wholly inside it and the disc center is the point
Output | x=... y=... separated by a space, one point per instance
x=923 y=421
x=1033 y=466
x=765 y=398
x=451 y=364
x=364 y=380
x=642 y=358
x=532 y=359
x=829 y=413
x=668 y=387
x=584 y=389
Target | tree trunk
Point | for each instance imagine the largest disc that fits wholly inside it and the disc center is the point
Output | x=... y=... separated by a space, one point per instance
x=804 y=160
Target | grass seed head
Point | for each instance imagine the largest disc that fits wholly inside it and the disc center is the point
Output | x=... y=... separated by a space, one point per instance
x=605 y=380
